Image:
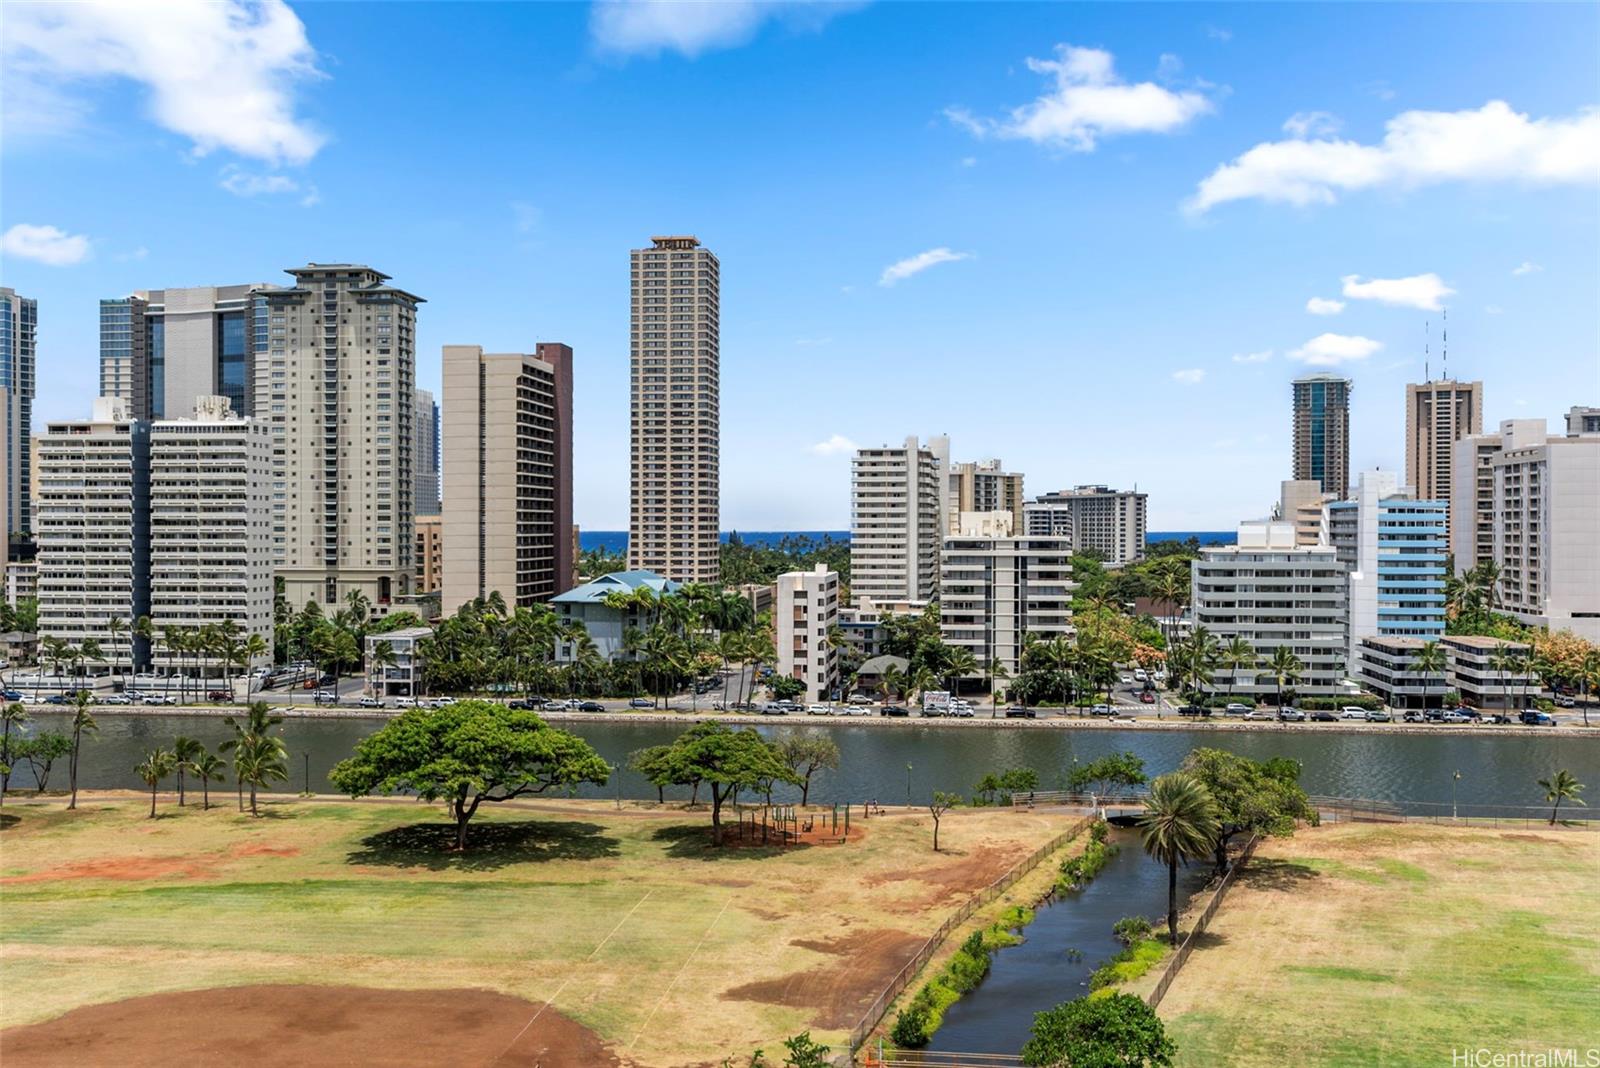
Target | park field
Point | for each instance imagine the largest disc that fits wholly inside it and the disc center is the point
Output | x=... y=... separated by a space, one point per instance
x=1396 y=944
x=570 y=932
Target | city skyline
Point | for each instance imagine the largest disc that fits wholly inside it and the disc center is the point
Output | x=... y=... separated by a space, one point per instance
x=1167 y=265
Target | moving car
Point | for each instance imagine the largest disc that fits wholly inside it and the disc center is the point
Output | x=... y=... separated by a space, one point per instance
x=894 y=710
x=325 y=695
x=1411 y=715
x=119 y=699
x=1235 y=708
x=1102 y=710
x=1537 y=719
x=1147 y=698
x=1378 y=715
x=370 y=702
x=160 y=699
x=591 y=706
x=1018 y=712
x=1127 y=679
x=1258 y=714
x=1193 y=710
x=819 y=710
x=641 y=702
x=1291 y=715
x=405 y=702
x=774 y=708
x=11 y=695
x=961 y=711
x=219 y=695
x=1455 y=715
x=1323 y=716
x=1352 y=712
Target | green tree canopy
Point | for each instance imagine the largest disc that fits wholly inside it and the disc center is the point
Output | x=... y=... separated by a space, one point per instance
x=1252 y=796
x=1119 y=1031
x=728 y=761
x=1107 y=774
x=466 y=754
x=806 y=753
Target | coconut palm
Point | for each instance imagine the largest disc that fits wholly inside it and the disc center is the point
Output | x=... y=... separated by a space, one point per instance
x=116 y=626
x=1286 y=668
x=255 y=648
x=1430 y=661
x=1170 y=589
x=379 y=660
x=184 y=752
x=142 y=631
x=1236 y=657
x=259 y=760
x=997 y=672
x=157 y=765
x=207 y=766
x=1561 y=787
x=258 y=721
x=12 y=715
x=1179 y=823
x=82 y=723
x=893 y=682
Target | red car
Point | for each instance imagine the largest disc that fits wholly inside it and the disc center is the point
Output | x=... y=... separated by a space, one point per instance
x=1147 y=698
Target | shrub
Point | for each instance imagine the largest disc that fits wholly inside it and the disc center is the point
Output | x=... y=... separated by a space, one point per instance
x=1324 y=704
x=1223 y=700
x=917 y=1022
x=1078 y=870
x=910 y=1029
x=1131 y=929
x=1129 y=963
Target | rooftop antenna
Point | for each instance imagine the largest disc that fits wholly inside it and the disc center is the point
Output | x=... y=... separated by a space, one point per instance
x=1427 y=374
x=1444 y=343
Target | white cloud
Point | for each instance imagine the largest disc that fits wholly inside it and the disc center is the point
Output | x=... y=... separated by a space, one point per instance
x=1493 y=309
x=1088 y=101
x=44 y=244
x=1324 y=306
x=1304 y=124
x=244 y=184
x=1252 y=357
x=911 y=265
x=525 y=216
x=1330 y=350
x=220 y=72
x=1526 y=267
x=1217 y=33
x=1422 y=291
x=691 y=27
x=837 y=445
x=1189 y=376
x=1419 y=148
x=969 y=161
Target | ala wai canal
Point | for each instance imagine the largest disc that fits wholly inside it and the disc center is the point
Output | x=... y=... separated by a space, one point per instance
x=1408 y=769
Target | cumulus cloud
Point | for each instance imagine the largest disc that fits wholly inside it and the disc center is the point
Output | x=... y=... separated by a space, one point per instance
x=1421 y=291
x=1526 y=267
x=1252 y=357
x=1088 y=101
x=1217 y=33
x=243 y=183
x=1303 y=124
x=1324 y=306
x=911 y=265
x=221 y=73
x=1330 y=350
x=691 y=27
x=1419 y=148
x=49 y=245
x=1189 y=376
x=837 y=445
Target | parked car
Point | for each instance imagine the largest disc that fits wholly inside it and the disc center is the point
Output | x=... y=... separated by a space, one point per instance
x=897 y=711
x=1537 y=719
x=219 y=695
x=1235 y=708
x=1352 y=712
x=774 y=708
x=1455 y=715
x=118 y=699
x=1102 y=710
x=405 y=702
x=641 y=702
x=818 y=710
x=1291 y=715
x=370 y=702
x=1018 y=712
x=1411 y=715
x=961 y=711
x=1322 y=715
x=1378 y=715
x=1566 y=700
x=1147 y=698
x=1499 y=717
x=591 y=706
x=12 y=695
x=325 y=695
x=860 y=699
x=1193 y=710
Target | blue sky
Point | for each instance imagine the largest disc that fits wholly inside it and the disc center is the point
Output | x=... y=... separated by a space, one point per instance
x=1117 y=241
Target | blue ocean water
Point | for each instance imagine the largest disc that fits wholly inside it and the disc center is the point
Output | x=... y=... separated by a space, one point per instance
x=616 y=541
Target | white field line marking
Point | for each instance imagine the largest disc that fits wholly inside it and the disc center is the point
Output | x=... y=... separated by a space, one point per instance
x=534 y=1018
x=686 y=961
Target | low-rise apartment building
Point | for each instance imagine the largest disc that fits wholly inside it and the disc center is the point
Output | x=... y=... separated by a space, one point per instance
x=997 y=588
x=806 y=611
x=1483 y=672
x=606 y=624
x=402 y=677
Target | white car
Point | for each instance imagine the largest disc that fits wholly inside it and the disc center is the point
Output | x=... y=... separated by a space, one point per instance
x=1127 y=680
x=859 y=710
x=405 y=702
x=1352 y=712
x=860 y=699
x=818 y=710
x=1236 y=708
x=370 y=702
x=119 y=699
x=1140 y=675
x=1102 y=710
x=325 y=695
x=1259 y=713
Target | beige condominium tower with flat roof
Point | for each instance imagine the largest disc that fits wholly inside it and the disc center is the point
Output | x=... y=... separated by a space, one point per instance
x=335 y=375
x=675 y=430
x=1439 y=414
x=507 y=475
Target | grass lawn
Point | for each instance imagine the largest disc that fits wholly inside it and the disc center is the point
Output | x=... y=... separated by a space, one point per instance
x=624 y=921
x=1362 y=944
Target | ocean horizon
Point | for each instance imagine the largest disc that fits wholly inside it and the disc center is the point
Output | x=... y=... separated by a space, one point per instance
x=616 y=541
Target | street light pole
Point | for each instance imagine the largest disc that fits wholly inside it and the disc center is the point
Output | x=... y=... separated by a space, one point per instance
x=308 y=772
x=1453 y=780
x=908 y=786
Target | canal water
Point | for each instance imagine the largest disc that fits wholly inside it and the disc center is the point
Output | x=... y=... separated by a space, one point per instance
x=1401 y=768
x=1070 y=937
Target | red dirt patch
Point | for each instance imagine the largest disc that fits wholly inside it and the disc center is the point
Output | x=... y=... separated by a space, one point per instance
x=982 y=867
x=840 y=991
x=307 y=1027
x=128 y=869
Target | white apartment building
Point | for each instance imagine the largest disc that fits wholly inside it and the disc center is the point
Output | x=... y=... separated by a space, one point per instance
x=403 y=678
x=807 y=609
x=1273 y=592
x=93 y=529
x=1302 y=503
x=1097 y=519
x=984 y=486
x=335 y=370
x=1472 y=487
x=997 y=587
x=1472 y=669
x=211 y=524
x=1393 y=548
x=898 y=510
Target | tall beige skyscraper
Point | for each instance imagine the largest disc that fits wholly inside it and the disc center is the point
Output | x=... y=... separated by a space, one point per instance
x=1438 y=414
x=675 y=450
x=335 y=374
x=507 y=475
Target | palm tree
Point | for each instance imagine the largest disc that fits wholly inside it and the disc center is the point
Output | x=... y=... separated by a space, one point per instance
x=892 y=682
x=259 y=760
x=920 y=680
x=207 y=765
x=1058 y=656
x=12 y=715
x=1430 y=661
x=1561 y=787
x=961 y=665
x=184 y=751
x=143 y=631
x=157 y=765
x=1171 y=590
x=1285 y=667
x=1179 y=823
x=379 y=660
x=1589 y=677
x=116 y=626
x=258 y=721
x=1237 y=656
x=997 y=670
x=82 y=723
x=255 y=647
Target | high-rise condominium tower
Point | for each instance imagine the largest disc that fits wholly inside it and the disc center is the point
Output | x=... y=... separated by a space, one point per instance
x=1322 y=432
x=335 y=377
x=898 y=510
x=508 y=475
x=674 y=460
x=1438 y=414
x=19 y=323
x=161 y=349
x=984 y=487
x=1096 y=519
x=425 y=452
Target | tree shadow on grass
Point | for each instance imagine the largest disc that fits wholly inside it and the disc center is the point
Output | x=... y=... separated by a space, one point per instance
x=1262 y=874
x=691 y=841
x=8 y=820
x=490 y=846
